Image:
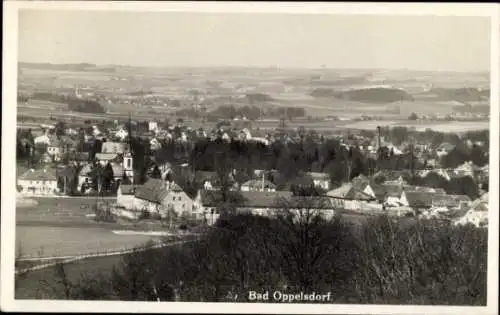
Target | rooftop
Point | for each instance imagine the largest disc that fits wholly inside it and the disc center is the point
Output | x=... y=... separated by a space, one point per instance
x=39 y=174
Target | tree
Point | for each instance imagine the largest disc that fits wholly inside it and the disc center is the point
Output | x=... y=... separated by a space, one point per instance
x=107 y=177
x=311 y=242
x=455 y=158
x=478 y=156
x=464 y=185
x=60 y=128
x=413 y=116
x=96 y=175
x=156 y=172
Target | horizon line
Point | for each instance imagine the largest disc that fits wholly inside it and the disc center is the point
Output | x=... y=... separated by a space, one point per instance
x=251 y=66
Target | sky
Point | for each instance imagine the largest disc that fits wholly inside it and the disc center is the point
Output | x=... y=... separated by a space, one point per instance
x=446 y=43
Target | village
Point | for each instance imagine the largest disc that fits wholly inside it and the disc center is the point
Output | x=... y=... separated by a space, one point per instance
x=152 y=169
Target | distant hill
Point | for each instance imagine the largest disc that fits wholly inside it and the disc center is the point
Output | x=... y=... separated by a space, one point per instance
x=367 y=95
x=258 y=97
x=462 y=94
x=66 y=67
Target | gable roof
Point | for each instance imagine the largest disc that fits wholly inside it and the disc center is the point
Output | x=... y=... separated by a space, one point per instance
x=155 y=190
x=255 y=183
x=205 y=176
x=113 y=147
x=446 y=146
x=392 y=190
x=419 y=199
x=106 y=156
x=318 y=176
x=128 y=189
x=256 y=199
x=350 y=192
x=448 y=200
x=46 y=174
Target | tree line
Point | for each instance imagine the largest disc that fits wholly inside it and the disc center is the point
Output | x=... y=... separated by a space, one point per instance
x=74 y=104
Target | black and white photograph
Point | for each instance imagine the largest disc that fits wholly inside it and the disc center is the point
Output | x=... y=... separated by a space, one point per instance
x=250 y=157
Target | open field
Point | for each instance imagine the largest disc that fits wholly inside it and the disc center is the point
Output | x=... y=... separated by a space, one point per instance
x=288 y=87
x=42 y=241
x=60 y=227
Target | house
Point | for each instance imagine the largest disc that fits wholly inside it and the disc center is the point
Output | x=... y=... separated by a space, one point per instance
x=417 y=200
x=467 y=169
x=110 y=152
x=113 y=147
x=320 y=180
x=208 y=180
x=444 y=149
x=262 y=203
x=153 y=126
x=41 y=182
x=95 y=131
x=350 y=197
x=477 y=215
x=258 y=185
x=42 y=140
x=121 y=134
x=84 y=178
x=452 y=202
x=244 y=135
x=105 y=158
x=392 y=195
x=54 y=149
x=125 y=196
x=162 y=196
x=154 y=144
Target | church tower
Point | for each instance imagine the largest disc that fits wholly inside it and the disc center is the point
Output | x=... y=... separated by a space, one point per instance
x=128 y=165
x=128 y=159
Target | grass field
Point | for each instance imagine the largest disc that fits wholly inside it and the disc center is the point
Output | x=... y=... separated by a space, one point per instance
x=45 y=241
x=60 y=227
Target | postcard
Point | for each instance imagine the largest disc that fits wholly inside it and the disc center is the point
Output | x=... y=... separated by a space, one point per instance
x=253 y=157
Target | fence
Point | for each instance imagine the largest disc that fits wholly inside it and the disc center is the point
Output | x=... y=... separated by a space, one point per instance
x=69 y=259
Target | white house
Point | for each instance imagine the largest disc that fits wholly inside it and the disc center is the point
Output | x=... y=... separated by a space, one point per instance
x=155 y=144
x=258 y=185
x=162 y=196
x=121 y=134
x=41 y=182
x=153 y=126
x=264 y=141
x=245 y=134
x=444 y=149
x=467 y=169
x=54 y=151
x=477 y=214
x=43 y=139
x=321 y=180
x=95 y=131
x=125 y=196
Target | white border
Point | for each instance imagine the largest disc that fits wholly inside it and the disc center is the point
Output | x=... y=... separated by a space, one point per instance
x=8 y=155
